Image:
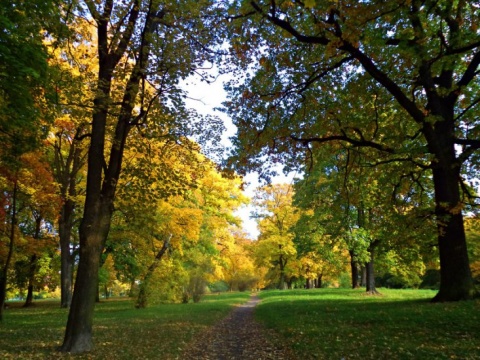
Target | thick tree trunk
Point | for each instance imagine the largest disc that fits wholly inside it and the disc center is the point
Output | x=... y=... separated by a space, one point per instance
x=354 y=270
x=456 y=282
x=319 y=281
x=370 y=270
x=93 y=232
x=370 y=283
x=307 y=284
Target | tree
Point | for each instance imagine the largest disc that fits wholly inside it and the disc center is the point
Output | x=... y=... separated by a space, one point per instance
x=24 y=71
x=40 y=204
x=307 y=57
x=74 y=78
x=29 y=204
x=145 y=46
x=277 y=216
x=238 y=268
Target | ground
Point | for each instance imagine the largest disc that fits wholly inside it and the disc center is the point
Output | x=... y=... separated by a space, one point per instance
x=238 y=336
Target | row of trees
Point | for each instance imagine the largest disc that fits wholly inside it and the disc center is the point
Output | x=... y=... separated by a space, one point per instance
x=323 y=231
x=393 y=82
x=73 y=92
x=374 y=99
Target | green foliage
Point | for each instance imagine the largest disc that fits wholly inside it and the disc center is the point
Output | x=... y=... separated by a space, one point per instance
x=400 y=324
x=24 y=72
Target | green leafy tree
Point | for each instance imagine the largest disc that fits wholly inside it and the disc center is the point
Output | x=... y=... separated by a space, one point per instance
x=144 y=48
x=276 y=217
x=328 y=71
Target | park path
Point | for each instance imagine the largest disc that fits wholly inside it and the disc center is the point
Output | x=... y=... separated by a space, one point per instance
x=238 y=336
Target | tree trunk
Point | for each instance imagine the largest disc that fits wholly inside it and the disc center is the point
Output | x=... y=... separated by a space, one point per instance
x=6 y=266
x=363 y=281
x=93 y=232
x=456 y=282
x=142 y=293
x=102 y=177
x=307 y=284
x=31 y=279
x=319 y=281
x=131 y=291
x=354 y=270
x=65 y=226
x=370 y=269
x=33 y=264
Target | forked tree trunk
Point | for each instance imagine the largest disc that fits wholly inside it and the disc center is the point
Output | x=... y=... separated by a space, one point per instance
x=102 y=178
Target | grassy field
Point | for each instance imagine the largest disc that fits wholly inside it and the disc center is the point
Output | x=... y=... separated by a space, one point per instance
x=317 y=324
x=120 y=330
x=347 y=324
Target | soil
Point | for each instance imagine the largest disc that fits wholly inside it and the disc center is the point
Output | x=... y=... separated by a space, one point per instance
x=238 y=336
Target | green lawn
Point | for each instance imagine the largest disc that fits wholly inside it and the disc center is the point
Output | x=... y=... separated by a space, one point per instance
x=120 y=330
x=347 y=324
x=318 y=324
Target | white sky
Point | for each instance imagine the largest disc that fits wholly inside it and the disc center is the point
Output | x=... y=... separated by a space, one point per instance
x=204 y=97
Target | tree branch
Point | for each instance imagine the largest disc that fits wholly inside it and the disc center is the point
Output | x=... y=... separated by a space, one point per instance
x=286 y=26
x=354 y=142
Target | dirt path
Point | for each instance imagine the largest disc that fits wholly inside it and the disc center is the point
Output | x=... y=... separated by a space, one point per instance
x=238 y=336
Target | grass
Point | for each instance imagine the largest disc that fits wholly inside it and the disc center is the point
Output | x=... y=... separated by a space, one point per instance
x=347 y=324
x=316 y=324
x=120 y=330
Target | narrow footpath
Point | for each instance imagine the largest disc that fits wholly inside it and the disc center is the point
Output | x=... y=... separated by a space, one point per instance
x=238 y=336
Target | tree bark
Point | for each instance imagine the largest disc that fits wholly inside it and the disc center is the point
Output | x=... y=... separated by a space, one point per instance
x=354 y=270
x=319 y=281
x=370 y=270
x=31 y=279
x=93 y=232
x=363 y=281
x=456 y=282
x=6 y=266
x=282 y=263
x=33 y=264
x=65 y=226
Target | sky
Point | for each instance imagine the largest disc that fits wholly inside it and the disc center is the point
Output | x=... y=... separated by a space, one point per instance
x=204 y=98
